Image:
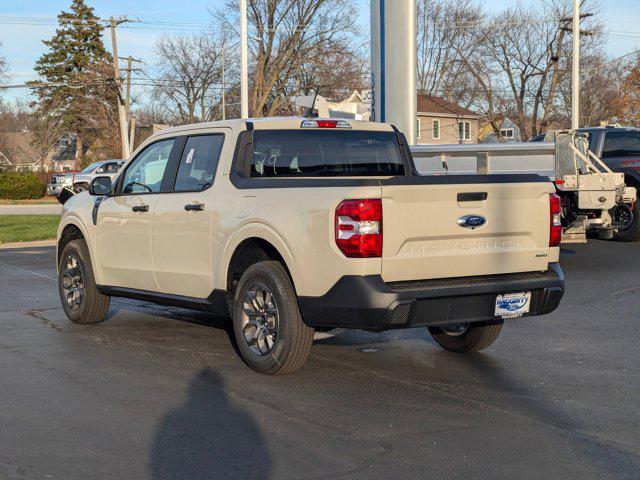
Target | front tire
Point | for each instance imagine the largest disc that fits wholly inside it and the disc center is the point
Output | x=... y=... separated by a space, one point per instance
x=469 y=337
x=632 y=232
x=81 y=300
x=269 y=331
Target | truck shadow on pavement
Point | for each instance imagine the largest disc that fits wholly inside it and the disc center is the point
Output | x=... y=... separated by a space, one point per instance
x=207 y=437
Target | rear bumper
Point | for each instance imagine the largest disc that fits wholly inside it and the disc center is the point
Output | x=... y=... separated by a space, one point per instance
x=368 y=303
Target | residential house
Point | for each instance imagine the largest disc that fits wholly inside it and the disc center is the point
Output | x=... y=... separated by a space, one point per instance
x=509 y=132
x=444 y=122
x=18 y=153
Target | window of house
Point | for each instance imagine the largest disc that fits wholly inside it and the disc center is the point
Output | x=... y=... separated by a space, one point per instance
x=65 y=142
x=464 y=131
x=507 y=133
x=436 y=130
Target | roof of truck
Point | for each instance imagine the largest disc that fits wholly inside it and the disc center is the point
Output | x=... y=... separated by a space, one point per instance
x=610 y=128
x=270 y=123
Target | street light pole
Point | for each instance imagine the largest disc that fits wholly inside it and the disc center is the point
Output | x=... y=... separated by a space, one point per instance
x=575 y=71
x=244 y=68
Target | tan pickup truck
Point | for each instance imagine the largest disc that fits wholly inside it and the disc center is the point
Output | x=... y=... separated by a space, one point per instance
x=293 y=225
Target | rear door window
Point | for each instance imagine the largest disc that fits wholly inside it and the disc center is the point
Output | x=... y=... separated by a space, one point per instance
x=198 y=163
x=318 y=153
x=621 y=144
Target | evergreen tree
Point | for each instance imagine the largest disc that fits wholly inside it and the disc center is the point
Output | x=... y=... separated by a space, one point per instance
x=80 y=94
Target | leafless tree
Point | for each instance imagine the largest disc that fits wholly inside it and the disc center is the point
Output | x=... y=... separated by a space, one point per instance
x=151 y=113
x=628 y=101
x=188 y=85
x=606 y=90
x=4 y=66
x=447 y=29
x=519 y=59
x=336 y=71
x=291 y=45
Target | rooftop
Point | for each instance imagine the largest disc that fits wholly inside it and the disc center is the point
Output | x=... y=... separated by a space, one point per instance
x=438 y=105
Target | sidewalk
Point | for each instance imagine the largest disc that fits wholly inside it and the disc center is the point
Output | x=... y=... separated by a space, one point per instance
x=46 y=209
x=37 y=243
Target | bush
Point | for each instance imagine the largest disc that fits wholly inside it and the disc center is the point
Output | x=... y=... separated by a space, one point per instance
x=21 y=186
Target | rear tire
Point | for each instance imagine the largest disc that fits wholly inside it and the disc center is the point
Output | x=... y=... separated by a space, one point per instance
x=632 y=232
x=81 y=300
x=473 y=338
x=269 y=331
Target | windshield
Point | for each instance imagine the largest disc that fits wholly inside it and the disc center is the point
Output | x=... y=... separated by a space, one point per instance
x=315 y=153
x=622 y=144
x=91 y=167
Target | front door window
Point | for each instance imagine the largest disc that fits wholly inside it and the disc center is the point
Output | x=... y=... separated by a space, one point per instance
x=146 y=172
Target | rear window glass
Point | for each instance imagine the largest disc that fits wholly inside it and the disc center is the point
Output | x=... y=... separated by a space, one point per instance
x=621 y=144
x=317 y=153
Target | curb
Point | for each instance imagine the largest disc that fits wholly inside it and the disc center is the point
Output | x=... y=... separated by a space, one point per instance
x=38 y=243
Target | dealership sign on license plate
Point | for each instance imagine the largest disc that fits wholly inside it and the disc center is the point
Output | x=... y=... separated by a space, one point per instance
x=513 y=305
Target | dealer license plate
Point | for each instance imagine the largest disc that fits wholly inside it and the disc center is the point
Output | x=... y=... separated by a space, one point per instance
x=513 y=305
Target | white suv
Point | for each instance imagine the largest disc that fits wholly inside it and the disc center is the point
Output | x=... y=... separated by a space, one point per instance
x=80 y=181
x=291 y=225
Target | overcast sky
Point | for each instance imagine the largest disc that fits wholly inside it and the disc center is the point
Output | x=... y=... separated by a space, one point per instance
x=22 y=43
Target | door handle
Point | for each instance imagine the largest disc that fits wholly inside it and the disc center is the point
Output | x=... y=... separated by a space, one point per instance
x=194 y=207
x=140 y=208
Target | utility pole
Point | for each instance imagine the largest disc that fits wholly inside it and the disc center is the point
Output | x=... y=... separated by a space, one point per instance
x=122 y=117
x=575 y=71
x=575 y=67
x=127 y=101
x=224 y=86
x=244 y=67
x=132 y=134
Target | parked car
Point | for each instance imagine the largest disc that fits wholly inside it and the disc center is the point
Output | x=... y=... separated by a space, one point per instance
x=80 y=181
x=619 y=149
x=291 y=225
x=57 y=182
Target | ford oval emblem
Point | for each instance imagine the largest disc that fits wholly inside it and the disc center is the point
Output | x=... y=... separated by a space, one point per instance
x=472 y=221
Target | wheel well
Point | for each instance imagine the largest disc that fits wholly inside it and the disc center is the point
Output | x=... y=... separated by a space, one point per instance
x=631 y=181
x=70 y=232
x=250 y=251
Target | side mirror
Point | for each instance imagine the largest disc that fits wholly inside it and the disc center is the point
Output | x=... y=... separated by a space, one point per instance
x=100 y=186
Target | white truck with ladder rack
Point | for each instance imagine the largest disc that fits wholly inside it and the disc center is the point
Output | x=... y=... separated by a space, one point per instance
x=590 y=191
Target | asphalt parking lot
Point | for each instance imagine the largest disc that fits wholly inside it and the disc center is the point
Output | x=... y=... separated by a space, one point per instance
x=159 y=392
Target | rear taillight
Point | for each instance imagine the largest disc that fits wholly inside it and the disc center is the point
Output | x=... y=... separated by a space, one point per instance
x=359 y=228
x=555 y=212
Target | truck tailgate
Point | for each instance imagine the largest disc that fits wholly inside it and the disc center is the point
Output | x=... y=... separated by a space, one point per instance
x=424 y=240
